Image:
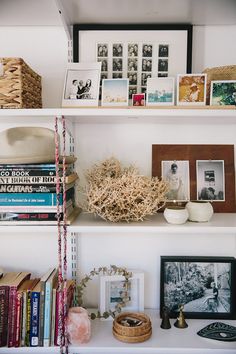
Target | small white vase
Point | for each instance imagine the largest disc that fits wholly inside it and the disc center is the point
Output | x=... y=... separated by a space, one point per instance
x=176 y=215
x=199 y=210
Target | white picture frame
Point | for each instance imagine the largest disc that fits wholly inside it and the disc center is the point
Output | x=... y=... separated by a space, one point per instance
x=160 y=91
x=115 y=92
x=81 y=85
x=111 y=287
x=191 y=89
x=228 y=97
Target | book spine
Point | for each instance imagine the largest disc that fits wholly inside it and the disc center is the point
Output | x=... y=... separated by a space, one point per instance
x=28 y=318
x=54 y=293
x=41 y=314
x=23 y=319
x=11 y=316
x=29 y=216
x=27 y=199
x=4 y=302
x=26 y=172
x=47 y=314
x=28 y=188
x=18 y=319
x=56 y=336
x=34 y=320
x=31 y=180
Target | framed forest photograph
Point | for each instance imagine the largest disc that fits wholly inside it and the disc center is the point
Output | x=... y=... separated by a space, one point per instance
x=204 y=285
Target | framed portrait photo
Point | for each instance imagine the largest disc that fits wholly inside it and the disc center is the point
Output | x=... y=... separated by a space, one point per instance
x=114 y=288
x=138 y=99
x=115 y=92
x=204 y=285
x=191 y=89
x=160 y=91
x=135 y=49
x=210 y=180
x=223 y=93
x=81 y=85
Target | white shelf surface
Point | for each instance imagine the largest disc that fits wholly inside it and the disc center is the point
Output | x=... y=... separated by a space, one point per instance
x=165 y=115
x=172 y=341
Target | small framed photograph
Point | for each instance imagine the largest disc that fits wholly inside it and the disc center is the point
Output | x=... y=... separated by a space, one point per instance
x=191 y=89
x=138 y=99
x=163 y=50
x=210 y=180
x=132 y=49
x=115 y=92
x=144 y=78
x=204 y=285
x=132 y=76
x=147 y=64
x=160 y=91
x=176 y=173
x=117 y=50
x=163 y=65
x=117 y=64
x=81 y=85
x=102 y=49
x=147 y=50
x=223 y=93
x=114 y=288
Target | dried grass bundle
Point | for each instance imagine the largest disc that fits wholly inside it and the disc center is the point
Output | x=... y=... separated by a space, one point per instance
x=122 y=194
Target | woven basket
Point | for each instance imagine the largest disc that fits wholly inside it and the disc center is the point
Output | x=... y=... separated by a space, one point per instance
x=219 y=73
x=132 y=334
x=20 y=86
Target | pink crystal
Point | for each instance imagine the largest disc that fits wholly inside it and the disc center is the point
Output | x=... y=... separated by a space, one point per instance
x=78 y=326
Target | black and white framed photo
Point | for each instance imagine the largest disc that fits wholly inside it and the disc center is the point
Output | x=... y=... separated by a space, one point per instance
x=157 y=49
x=160 y=91
x=114 y=289
x=210 y=180
x=81 y=85
x=204 y=285
x=223 y=93
x=115 y=92
x=176 y=173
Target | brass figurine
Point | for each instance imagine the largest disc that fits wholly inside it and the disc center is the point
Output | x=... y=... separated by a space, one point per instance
x=165 y=324
x=180 y=322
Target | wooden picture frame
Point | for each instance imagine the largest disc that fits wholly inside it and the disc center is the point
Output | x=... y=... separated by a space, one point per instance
x=193 y=153
x=121 y=48
x=204 y=285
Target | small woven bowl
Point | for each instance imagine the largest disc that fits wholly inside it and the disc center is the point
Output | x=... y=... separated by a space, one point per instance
x=135 y=339
x=122 y=330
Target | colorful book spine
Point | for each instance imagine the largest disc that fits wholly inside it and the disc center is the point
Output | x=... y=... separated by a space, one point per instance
x=34 y=319
x=29 y=216
x=27 y=173
x=4 y=304
x=12 y=316
x=28 y=188
x=36 y=179
x=47 y=314
x=28 y=319
x=23 y=319
x=17 y=329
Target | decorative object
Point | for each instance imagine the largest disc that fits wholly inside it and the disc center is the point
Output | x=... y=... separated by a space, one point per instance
x=138 y=99
x=223 y=93
x=176 y=215
x=135 y=51
x=131 y=327
x=81 y=85
x=20 y=86
x=204 y=285
x=180 y=322
x=176 y=173
x=115 y=92
x=210 y=180
x=114 y=289
x=78 y=326
x=165 y=323
x=223 y=155
x=104 y=271
x=227 y=72
x=219 y=331
x=199 y=210
x=160 y=91
x=191 y=89
x=118 y=193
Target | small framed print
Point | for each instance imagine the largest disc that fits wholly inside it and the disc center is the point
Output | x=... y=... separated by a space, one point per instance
x=210 y=180
x=204 y=285
x=160 y=91
x=114 y=288
x=138 y=99
x=191 y=89
x=115 y=92
x=81 y=85
x=223 y=93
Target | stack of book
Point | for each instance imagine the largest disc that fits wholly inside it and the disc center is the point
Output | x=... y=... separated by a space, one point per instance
x=29 y=309
x=28 y=194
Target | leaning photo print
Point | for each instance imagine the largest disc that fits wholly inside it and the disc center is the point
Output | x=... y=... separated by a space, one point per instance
x=204 y=285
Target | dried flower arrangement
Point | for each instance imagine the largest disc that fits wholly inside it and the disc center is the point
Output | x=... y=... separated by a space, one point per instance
x=113 y=270
x=117 y=193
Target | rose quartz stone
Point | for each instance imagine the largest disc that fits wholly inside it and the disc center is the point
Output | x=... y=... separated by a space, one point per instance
x=78 y=326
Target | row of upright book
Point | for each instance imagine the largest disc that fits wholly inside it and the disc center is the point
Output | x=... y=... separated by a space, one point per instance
x=28 y=193
x=29 y=309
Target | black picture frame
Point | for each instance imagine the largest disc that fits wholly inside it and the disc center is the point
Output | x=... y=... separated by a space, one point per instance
x=95 y=35
x=189 y=281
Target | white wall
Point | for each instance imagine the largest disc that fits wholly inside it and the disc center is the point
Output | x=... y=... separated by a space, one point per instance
x=45 y=50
